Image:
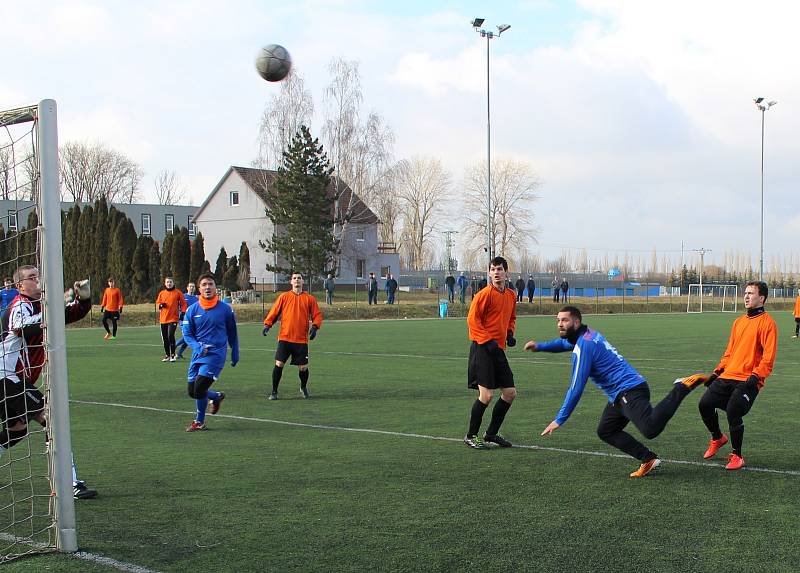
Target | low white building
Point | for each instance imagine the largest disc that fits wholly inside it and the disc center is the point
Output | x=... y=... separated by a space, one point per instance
x=235 y=212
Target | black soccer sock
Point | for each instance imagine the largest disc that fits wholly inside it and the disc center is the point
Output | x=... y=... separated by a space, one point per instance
x=475 y=418
x=737 y=437
x=277 y=372
x=498 y=415
x=304 y=378
x=113 y=327
x=712 y=423
x=105 y=325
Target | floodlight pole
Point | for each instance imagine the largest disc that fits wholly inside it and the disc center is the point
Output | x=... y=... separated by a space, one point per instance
x=488 y=34
x=763 y=107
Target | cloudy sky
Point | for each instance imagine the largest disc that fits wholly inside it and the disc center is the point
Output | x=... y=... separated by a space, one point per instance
x=637 y=115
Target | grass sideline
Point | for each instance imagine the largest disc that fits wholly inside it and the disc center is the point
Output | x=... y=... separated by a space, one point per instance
x=253 y=494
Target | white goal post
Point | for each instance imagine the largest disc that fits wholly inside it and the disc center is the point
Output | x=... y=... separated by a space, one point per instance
x=37 y=511
x=717 y=298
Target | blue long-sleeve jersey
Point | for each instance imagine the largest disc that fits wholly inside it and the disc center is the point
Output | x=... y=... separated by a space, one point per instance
x=215 y=328
x=592 y=356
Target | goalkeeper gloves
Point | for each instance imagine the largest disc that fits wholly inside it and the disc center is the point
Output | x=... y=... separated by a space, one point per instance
x=511 y=342
x=82 y=290
x=312 y=334
x=265 y=331
x=751 y=384
x=711 y=378
x=162 y=305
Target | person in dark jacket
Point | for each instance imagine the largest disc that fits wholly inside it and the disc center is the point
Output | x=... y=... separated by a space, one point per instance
x=531 y=288
x=520 y=288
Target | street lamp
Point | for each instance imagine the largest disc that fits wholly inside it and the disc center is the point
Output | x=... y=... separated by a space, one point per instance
x=488 y=34
x=763 y=107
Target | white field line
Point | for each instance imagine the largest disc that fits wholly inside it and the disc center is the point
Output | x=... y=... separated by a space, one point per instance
x=421 y=436
x=92 y=557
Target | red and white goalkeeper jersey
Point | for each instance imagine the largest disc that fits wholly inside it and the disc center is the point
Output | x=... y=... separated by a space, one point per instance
x=15 y=362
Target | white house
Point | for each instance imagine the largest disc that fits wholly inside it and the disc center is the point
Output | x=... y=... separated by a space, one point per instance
x=234 y=212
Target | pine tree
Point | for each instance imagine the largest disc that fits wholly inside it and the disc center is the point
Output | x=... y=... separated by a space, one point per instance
x=100 y=240
x=141 y=282
x=230 y=281
x=28 y=240
x=84 y=244
x=299 y=206
x=222 y=265
x=155 y=271
x=123 y=245
x=69 y=249
x=181 y=258
x=244 y=267
x=198 y=257
x=166 y=256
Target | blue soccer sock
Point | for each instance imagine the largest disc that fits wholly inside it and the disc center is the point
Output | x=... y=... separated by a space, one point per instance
x=202 y=405
x=213 y=395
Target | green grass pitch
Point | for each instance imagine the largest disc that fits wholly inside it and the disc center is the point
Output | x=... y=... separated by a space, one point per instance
x=370 y=474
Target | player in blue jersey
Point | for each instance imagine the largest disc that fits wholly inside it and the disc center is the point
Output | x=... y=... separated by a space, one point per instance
x=8 y=294
x=627 y=390
x=209 y=327
x=190 y=296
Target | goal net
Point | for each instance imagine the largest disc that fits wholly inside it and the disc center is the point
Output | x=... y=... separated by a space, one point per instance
x=36 y=503
x=716 y=298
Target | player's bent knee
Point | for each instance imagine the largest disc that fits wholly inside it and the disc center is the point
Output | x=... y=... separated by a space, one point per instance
x=509 y=394
x=303 y=367
x=279 y=364
x=190 y=389
x=201 y=386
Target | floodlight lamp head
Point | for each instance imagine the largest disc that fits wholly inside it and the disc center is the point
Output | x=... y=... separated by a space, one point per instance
x=758 y=100
x=477 y=22
x=502 y=28
x=770 y=104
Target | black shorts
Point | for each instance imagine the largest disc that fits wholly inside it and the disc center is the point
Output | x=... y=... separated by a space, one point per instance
x=298 y=352
x=488 y=368
x=19 y=401
x=112 y=315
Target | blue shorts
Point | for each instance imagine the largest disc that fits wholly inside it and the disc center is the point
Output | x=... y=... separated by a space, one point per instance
x=201 y=369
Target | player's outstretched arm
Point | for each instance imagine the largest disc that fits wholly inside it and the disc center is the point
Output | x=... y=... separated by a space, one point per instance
x=551 y=427
x=530 y=346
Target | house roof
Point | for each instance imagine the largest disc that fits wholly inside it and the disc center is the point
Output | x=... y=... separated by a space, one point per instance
x=259 y=179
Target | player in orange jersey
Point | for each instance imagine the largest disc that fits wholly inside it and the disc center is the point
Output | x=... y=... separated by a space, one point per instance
x=491 y=321
x=797 y=316
x=740 y=375
x=171 y=304
x=111 y=306
x=294 y=309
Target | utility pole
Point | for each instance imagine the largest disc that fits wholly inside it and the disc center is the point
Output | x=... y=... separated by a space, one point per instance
x=702 y=255
x=448 y=247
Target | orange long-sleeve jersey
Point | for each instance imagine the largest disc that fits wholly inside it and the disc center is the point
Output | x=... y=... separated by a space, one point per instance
x=491 y=315
x=797 y=307
x=112 y=299
x=751 y=349
x=175 y=305
x=294 y=310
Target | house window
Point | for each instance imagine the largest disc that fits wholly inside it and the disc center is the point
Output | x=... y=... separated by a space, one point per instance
x=361 y=265
x=169 y=223
x=359 y=235
x=146 y=224
x=191 y=226
x=12 y=220
x=385 y=272
x=234 y=198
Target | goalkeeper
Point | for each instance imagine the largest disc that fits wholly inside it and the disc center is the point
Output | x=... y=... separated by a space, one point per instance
x=740 y=375
x=24 y=357
x=209 y=327
x=294 y=309
x=627 y=391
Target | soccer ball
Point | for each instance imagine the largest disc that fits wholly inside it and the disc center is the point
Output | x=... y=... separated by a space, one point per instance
x=273 y=63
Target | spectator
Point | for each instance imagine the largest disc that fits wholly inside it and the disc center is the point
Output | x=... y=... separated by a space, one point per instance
x=520 y=286
x=556 y=288
x=564 y=290
x=391 y=288
x=450 y=281
x=463 y=283
x=372 y=289
x=531 y=288
x=330 y=286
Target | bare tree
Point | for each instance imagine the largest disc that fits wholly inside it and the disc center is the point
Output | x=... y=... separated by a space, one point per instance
x=286 y=111
x=422 y=186
x=90 y=172
x=6 y=171
x=514 y=186
x=169 y=190
x=361 y=152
